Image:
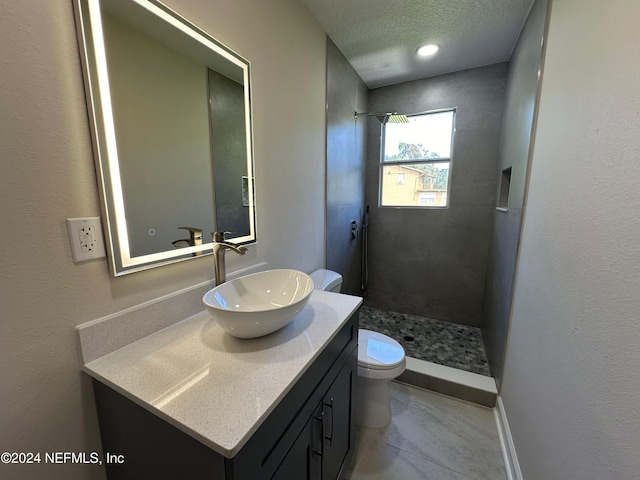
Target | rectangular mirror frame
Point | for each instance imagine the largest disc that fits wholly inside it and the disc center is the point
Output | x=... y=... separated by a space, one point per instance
x=94 y=66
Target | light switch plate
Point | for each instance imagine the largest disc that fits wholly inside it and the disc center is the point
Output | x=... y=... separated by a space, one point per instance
x=85 y=236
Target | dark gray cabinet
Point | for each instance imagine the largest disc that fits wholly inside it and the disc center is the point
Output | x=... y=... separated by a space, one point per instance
x=304 y=459
x=309 y=435
x=337 y=423
x=322 y=449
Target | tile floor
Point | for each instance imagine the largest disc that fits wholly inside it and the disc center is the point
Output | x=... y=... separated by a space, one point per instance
x=445 y=343
x=431 y=437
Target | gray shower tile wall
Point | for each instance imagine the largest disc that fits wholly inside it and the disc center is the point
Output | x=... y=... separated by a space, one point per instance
x=433 y=268
x=433 y=262
x=518 y=126
x=346 y=94
x=450 y=344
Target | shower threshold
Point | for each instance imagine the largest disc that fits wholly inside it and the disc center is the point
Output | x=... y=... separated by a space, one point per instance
x=441 y=356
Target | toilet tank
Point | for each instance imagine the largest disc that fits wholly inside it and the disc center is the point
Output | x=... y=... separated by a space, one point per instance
x=327 y=280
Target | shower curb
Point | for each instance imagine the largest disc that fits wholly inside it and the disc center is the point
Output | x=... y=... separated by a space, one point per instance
x=468 y=386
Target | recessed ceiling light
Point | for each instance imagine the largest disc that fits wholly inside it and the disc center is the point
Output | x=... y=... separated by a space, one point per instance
x=428 y=49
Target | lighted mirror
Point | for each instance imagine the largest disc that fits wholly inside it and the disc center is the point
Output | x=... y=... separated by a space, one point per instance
x=171 y=119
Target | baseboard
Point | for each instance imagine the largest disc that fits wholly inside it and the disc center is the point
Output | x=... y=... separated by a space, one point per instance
x=511 y=464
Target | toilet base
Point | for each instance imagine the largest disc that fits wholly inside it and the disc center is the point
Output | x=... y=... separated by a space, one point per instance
x=372 y=403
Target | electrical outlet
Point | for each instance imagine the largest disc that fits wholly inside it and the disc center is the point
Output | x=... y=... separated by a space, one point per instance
x=85 y=236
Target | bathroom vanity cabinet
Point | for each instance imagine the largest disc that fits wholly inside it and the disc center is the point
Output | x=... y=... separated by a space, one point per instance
x=323 y=446
x=308 y=434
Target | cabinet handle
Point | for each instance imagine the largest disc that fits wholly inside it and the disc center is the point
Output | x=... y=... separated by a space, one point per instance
x=319 y=418
x=330 y=405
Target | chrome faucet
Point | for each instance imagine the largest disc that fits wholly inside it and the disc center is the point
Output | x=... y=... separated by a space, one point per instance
x=220 y=246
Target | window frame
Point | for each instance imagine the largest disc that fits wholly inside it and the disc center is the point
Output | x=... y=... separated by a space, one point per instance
x=405 y=163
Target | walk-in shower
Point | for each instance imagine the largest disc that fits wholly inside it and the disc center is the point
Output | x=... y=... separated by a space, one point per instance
x=451 y=344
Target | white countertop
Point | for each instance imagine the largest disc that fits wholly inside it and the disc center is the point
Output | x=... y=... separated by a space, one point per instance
x=217 y=388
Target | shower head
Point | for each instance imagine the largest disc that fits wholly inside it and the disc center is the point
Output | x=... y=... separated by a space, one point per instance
x=397 y=119
x=386 y=117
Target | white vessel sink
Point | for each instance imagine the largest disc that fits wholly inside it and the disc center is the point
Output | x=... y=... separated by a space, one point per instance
x=260 y=303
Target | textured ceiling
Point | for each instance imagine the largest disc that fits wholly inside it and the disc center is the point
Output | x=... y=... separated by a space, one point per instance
x=380 y=37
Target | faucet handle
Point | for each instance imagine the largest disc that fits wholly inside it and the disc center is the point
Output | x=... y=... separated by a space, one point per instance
x=195 y=233
x=219 y=236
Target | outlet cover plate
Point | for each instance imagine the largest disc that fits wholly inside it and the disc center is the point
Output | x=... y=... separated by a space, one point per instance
x=85 y=236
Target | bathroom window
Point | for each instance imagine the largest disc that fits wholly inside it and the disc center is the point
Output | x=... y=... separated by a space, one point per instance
x=419 y=153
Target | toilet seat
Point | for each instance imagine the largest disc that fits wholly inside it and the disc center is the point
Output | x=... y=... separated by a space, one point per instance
x=379 y=352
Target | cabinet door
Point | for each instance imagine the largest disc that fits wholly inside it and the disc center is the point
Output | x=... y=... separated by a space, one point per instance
x=338 y=430
x=304 y=459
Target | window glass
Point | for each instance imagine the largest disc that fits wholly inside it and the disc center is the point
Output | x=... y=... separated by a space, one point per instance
x=414 y=171
x=426 y=136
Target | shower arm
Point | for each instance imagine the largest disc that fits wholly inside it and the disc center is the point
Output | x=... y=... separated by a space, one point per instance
x=384 y=117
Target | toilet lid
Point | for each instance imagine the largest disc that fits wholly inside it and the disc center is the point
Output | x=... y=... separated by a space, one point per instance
x=325 y=279
x=378 y=351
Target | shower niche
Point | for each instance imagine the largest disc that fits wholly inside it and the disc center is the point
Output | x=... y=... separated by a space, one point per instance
x=505 y=188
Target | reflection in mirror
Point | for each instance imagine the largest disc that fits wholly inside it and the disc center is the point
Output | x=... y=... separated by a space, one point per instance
x=227 y=117
x=171 y=113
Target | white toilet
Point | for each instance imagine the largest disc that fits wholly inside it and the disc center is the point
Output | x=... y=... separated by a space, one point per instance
x=380 y=360
x=326 y=280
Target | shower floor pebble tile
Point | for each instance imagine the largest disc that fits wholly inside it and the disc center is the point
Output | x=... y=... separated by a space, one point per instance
x=444 y=343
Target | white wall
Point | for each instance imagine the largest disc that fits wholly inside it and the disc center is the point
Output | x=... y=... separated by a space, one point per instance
x=48 y=175
x=571 y=385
